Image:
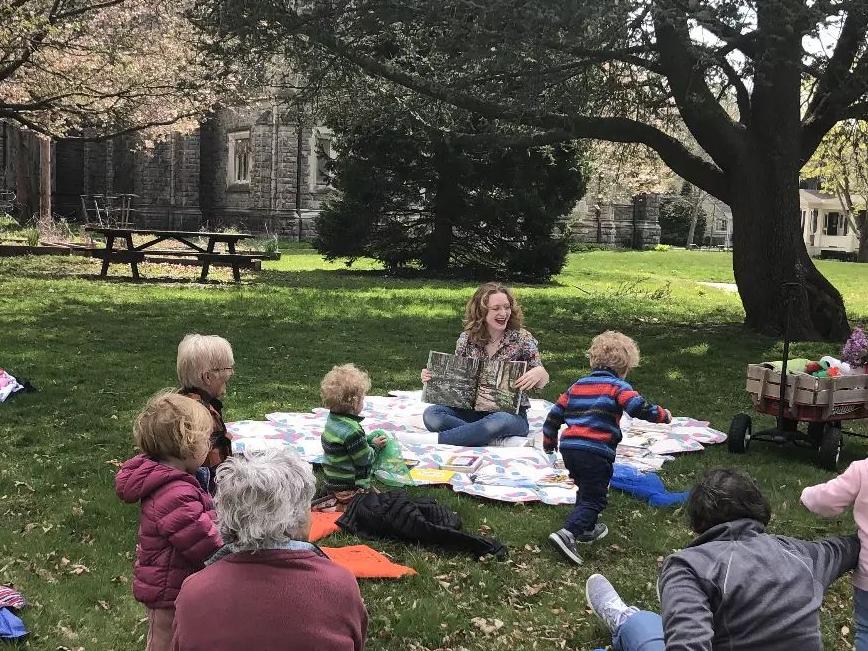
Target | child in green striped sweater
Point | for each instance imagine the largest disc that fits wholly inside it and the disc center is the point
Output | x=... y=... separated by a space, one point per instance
x=349 y=452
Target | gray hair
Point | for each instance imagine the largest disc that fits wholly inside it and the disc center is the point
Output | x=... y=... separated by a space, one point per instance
x=198 y=354
x=263 y=499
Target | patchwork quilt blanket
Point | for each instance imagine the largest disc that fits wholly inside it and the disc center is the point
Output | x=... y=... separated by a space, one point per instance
x=517 y=470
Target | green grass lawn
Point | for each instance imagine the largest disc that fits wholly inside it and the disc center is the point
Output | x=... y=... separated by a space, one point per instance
x=97 y=349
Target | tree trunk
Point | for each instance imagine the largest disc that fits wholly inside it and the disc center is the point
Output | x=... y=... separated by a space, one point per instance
x=694 y=214
x=862 y=256
x=444 y=207
x=768 y=246
x=768 y=250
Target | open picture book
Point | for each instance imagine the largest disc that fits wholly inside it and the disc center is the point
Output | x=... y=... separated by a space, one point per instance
x=479 y=384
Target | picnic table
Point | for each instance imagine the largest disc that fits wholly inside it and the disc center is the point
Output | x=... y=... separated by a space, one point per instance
x=133 y=254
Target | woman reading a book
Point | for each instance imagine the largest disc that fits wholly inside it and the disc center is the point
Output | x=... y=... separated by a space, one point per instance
x=492 y=331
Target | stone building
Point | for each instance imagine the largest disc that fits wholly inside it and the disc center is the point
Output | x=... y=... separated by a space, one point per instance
x=256 y=168
x=634 y=225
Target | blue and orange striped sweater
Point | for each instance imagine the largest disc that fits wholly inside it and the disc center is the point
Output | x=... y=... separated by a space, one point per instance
x=592 y=409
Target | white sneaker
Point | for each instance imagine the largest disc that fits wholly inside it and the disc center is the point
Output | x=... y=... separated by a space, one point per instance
x=606 y=603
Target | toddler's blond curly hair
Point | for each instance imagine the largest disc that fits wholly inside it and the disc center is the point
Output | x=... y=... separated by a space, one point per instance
x=172 y=425
x=614 y=350
x=343 y=389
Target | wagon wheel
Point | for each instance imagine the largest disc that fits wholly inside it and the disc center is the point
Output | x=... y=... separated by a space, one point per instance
x=830 y=447
x=738 y=437
x=815 y=433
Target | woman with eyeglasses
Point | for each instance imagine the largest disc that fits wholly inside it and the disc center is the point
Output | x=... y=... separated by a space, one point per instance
x=205 y=365
x=492 y=330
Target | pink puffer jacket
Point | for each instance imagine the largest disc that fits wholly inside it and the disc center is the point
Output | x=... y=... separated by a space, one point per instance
x=176 y=528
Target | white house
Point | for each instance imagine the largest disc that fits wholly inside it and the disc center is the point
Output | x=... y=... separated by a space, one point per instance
x=718 y=222
x=825 y=227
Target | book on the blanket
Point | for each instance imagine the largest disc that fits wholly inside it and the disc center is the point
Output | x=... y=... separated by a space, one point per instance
x=478 y=384
x=555 y=479
x=431 y=475
x=462 y=463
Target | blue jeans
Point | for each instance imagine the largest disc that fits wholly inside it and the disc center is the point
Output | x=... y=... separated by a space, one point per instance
x=592 y=474
x=642 y=632
x=473 y=428
x=860 y=608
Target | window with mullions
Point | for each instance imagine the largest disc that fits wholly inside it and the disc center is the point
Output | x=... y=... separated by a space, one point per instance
x=238 y=170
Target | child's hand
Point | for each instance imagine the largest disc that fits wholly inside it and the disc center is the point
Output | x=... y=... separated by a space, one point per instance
x=379 y=442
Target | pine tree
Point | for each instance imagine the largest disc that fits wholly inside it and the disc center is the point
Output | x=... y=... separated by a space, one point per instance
x=413 y=199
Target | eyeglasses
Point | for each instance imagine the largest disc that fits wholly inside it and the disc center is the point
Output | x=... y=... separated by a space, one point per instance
x=225 y=368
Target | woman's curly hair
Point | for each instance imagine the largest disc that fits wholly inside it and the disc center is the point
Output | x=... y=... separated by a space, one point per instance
x=477 y=308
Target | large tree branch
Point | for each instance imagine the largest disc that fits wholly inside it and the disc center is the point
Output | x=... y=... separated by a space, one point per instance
x=734 y=38
x=742 y=96
x=858 y=111
x=85 y=9
x=697 y=170
x=845 y=101
x=838 y=70
x=20 y=119
x=701 y=112
x=624 y=55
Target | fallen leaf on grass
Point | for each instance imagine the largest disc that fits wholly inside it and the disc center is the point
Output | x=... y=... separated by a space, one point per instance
x=486 y=626
x=531 y=590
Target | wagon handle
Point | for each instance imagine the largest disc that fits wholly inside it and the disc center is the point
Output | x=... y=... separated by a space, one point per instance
x=788 y=290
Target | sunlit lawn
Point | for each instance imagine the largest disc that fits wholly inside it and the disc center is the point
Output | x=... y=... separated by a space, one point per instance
x=97 y=349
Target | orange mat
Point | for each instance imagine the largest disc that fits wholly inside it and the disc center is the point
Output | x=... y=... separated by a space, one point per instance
x=366 y=563
x=322 y=524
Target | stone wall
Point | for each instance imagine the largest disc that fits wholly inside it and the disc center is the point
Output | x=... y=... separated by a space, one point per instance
x=618 y=225
x=183 y=183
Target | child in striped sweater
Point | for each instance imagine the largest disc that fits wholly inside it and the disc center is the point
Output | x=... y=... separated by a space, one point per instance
x=349 y=452
x=592 y=409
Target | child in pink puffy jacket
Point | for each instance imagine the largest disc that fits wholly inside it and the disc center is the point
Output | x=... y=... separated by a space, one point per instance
x=849 y=489
x=177 y=532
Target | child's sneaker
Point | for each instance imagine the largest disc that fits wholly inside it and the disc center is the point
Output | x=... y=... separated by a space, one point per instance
x=592 y=535
x=606 y=603
x=564 y=541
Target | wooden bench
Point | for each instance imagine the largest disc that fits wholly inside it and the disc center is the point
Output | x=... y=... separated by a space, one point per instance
x=135 y=254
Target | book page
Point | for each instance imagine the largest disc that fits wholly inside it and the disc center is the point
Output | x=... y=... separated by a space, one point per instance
x=496 y=390
x=453 y=380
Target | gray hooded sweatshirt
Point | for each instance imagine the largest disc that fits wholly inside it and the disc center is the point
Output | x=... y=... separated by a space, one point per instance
x=737 y=588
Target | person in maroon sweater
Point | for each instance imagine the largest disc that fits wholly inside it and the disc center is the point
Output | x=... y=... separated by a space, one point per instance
x=268 y=588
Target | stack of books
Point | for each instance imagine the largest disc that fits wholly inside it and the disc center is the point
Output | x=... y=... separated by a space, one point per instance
x=462 y=463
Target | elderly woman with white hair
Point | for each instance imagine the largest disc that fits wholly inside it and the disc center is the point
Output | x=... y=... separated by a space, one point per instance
x=268 y=588
x=205 y=364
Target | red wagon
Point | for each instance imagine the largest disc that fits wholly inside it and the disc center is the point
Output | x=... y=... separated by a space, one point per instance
x=822 y=403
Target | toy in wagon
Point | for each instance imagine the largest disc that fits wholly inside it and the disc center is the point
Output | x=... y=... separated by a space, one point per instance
x=821 y=393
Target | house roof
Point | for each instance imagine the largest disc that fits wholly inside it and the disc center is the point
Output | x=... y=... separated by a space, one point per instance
x=817 y=199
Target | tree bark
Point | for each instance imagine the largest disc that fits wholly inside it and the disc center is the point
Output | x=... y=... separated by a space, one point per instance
x=436 y=255
x=862 y=255
x=768 y=246
x=694 y=214
x=768 y=250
